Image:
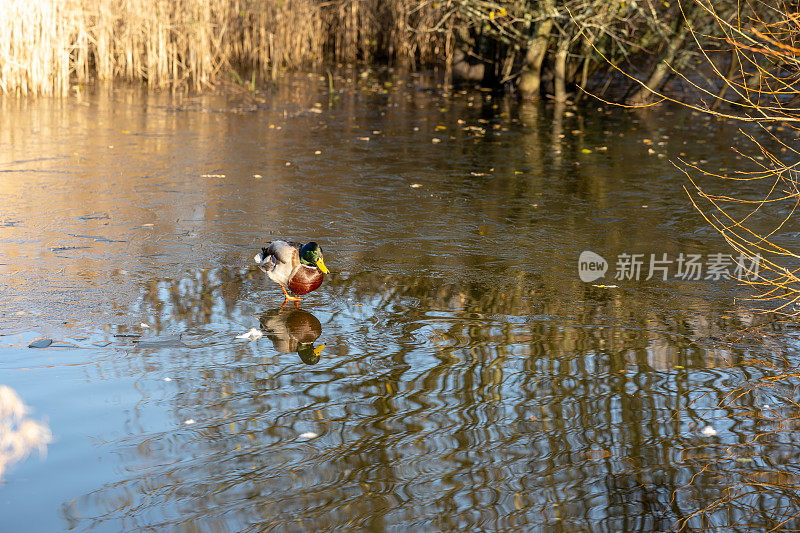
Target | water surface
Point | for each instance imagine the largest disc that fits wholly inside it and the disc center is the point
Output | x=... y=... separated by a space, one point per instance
x=452 y=373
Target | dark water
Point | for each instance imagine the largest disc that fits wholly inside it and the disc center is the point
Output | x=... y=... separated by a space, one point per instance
x=454 y=372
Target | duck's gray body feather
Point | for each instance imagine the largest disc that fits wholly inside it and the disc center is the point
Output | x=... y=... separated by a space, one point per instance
x=279 y=260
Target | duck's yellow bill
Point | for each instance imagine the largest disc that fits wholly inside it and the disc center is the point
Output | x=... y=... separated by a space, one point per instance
x=318 y=349
x=321 y=266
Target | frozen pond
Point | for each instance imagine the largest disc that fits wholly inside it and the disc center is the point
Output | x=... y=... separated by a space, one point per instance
x=452 y=373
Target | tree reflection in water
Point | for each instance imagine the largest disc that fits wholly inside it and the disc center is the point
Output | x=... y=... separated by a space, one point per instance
x=437 y=408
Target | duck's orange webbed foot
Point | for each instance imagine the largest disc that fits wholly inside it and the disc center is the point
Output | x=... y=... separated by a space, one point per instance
x=288 y=298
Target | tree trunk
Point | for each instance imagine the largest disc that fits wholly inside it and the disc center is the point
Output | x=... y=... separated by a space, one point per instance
x=727 y=81
x=561 y=70
x=586 y=52
x=449 y=49
x=645 y=94
x=531 y=78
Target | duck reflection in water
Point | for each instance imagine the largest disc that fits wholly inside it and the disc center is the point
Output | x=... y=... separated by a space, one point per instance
x=293 y=330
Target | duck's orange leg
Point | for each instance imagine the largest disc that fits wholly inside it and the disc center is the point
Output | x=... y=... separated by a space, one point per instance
x=288 y=298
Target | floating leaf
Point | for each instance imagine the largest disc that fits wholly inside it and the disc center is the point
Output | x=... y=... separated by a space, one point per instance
x=41 y=343
x=597 y=454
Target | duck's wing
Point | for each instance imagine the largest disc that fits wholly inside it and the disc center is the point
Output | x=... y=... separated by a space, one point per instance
x=280 y=252
x=279 y=260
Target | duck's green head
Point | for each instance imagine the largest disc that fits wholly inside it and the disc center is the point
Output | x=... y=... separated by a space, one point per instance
x=311 y=254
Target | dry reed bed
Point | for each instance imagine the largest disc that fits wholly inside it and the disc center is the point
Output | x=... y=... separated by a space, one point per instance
x=46 y=44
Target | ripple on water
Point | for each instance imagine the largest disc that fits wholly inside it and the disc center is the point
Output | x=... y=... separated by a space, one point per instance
x=455 y=371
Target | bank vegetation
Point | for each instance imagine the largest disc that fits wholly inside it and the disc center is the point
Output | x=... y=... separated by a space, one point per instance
x=554 y=49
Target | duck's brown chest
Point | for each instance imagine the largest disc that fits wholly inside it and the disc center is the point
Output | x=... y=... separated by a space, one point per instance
x=305 y=280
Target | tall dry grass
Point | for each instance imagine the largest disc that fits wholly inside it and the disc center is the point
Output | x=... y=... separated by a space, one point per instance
x=47 y=44
x=26 y=65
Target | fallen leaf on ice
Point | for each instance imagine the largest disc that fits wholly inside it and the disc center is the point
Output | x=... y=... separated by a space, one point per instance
x=40 y=343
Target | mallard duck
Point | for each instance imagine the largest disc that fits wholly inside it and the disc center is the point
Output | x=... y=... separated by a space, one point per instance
x=290 y=264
